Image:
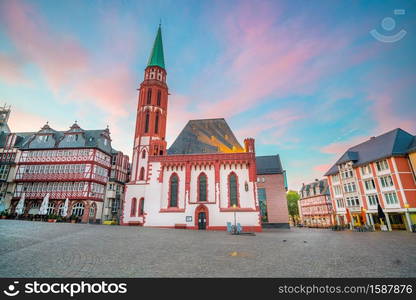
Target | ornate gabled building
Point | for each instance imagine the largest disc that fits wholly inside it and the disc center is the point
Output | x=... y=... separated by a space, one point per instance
x=315 y=205
x=203 y=181
x=74 y=164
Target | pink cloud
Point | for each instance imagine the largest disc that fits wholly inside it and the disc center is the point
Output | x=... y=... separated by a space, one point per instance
x=66 y=64
x=269 y=61
x=339 y=147
x=60 y=57
x=11 y=69
x=108 y=91
x=322 y=168
x=275 y=123
x=24 y=121
x=384 y=103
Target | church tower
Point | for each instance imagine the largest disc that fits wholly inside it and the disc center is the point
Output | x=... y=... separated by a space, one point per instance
x=150 y=133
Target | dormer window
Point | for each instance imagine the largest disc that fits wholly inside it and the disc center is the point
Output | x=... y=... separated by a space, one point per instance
x=72 y=138
x=43 y=138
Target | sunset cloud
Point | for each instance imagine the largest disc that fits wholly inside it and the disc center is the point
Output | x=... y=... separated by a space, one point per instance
x=307 y=82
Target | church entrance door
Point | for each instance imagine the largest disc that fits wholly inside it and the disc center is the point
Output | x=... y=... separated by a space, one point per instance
x=202 y=220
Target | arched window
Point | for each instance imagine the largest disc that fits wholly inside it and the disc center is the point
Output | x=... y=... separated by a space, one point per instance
x=202 y=187
x=157 y=123
x=144 y=154
x=232 y=187
x=133 y=207
x=149 y=96
x=173 y=191
x=51 y=208
x=61 y=209
x=34 y=209
x=78 y=210
x=141 y=207
x=159 y=97
x=146 y=122
x=92 y=211
x=141 y=176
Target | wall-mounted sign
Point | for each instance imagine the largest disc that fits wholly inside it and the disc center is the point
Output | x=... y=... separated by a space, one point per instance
x=188 y=218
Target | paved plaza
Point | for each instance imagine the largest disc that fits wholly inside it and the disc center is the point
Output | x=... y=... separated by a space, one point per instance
x=37 y=249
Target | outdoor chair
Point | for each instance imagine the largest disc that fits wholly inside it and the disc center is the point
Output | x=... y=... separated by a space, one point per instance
x=229 y=227
x=239 y=228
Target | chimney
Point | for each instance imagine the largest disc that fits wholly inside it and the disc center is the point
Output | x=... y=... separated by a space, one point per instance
x=249 y=145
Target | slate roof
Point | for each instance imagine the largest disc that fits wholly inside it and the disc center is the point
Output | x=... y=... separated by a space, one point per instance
x=396 y=142
x=412 y=147
x=270 y=164
x=205 y=136
x=321 y=187
x=4 y=127
x=59 y=139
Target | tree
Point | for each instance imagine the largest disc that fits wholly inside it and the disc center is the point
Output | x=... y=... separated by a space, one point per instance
x=292 y=204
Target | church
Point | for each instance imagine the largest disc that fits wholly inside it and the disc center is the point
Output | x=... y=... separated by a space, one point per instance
x=206 y=179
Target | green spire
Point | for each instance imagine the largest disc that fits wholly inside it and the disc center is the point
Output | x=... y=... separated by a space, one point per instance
x=157 y=58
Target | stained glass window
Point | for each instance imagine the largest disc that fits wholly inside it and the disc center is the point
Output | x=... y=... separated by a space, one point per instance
x=173 y=191
x=202 y=187
x=233 y=189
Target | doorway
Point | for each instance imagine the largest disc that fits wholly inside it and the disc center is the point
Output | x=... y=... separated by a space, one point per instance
x=202 y=220
x=201 y=217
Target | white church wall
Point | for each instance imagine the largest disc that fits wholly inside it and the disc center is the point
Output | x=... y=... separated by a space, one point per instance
x=133 y=191
x=246 y=198
x=210 y=173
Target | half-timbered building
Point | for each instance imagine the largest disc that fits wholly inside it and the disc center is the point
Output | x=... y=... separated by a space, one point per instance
x=76 y=164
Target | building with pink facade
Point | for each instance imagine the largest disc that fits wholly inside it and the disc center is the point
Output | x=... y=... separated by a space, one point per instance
x=315 y=205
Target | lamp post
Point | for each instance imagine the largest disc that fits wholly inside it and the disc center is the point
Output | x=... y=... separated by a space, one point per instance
x=408 y=219
x=235 y=219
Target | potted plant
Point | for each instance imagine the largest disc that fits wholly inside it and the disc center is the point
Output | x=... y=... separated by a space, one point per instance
x=52 y=218
x=4 y=214
x=73 y=219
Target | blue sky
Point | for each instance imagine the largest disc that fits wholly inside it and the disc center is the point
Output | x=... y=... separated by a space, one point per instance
x=306 y=79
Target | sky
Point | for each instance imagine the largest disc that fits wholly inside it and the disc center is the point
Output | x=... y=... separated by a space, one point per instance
x=306 y=79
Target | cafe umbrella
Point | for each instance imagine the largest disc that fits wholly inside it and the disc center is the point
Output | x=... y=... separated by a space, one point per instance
x=363 y=215
x=44 y=207
x=64 y=211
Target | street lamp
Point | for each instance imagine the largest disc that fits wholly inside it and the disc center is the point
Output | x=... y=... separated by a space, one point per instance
x=235 y=219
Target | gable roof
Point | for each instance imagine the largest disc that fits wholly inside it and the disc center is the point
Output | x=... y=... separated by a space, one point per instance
x=396 y=142
x=205 y=136
x=269 y=164
x=91 y=139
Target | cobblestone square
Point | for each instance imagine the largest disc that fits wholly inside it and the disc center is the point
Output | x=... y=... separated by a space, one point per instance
x=36 y=249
